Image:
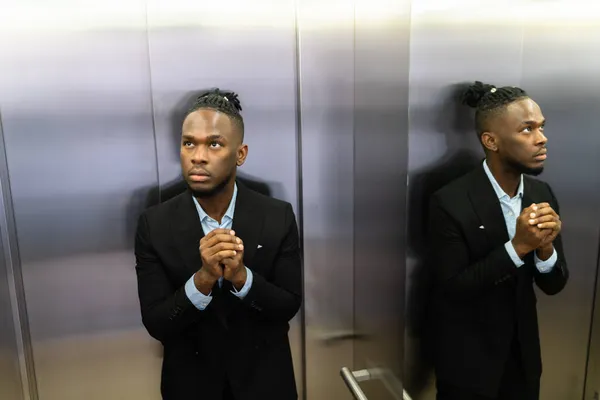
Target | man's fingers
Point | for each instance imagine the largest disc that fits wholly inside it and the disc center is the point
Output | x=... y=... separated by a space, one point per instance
x=538 y=210
x=221 y=246
x=214 y=232
x=545 y=211
x=549 y=225
x=540 y=220
x=221 y=237
x=222 y=255
x=528 y=210
x=539 y=206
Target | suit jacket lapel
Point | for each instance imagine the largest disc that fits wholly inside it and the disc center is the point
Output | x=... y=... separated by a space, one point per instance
x=529 y=195
x=188 y=232
x=247 y=224
x=487 y=206
x=247 y=221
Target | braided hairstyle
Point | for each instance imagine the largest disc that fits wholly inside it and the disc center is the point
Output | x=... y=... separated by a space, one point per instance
x=489 y=101
x=225 y=102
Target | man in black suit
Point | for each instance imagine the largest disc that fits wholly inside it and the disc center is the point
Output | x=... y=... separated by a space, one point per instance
x=219 y=271
x=494 y=232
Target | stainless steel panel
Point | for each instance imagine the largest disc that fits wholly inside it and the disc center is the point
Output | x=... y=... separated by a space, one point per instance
x=10 y=377
x=382 y=30
x=451 y=43
x=11 y=384
x=75 y=99
x=327 y=104
x=546 y=56
x=592 y=378
x=562 y=76
x=247 y=47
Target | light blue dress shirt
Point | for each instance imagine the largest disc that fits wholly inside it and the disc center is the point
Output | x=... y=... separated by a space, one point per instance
x=208 y=225
x=511 y=208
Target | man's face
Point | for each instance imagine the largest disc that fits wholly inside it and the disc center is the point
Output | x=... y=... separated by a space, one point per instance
x=211 y=149
x=519 y=138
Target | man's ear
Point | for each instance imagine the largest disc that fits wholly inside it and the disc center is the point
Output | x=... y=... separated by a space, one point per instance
x=489 y=140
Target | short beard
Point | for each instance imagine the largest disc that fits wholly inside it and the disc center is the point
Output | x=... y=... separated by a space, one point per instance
x=205 y=194
x=522 y=169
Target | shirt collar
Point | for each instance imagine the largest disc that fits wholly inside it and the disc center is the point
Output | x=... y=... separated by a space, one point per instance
x=228 y=214
x=499 y=191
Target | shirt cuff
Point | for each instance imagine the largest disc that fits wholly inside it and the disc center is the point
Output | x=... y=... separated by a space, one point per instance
x=510 y=249
x=244 y=291
x=546 y=266
x=199 y=300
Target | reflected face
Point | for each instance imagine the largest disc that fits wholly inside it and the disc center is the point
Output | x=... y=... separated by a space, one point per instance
x=211 y=150
x=518 y=137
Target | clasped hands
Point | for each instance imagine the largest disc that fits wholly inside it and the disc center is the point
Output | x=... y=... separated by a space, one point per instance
x=222 y=256
x=537 y=228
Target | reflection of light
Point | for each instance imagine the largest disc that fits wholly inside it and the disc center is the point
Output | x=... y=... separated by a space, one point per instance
x=531 y=12
x=69 y=15
x=36 y=15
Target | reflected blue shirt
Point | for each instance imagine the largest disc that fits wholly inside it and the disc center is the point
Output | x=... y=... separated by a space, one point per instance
x=511 y=208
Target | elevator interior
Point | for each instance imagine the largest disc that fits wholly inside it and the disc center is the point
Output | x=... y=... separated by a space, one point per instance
x=351 y=116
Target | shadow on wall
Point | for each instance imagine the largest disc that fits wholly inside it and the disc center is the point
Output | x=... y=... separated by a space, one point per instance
x=453 y=123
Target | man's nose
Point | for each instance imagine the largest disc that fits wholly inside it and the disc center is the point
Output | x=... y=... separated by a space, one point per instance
x=542 y=139
x=200 y=155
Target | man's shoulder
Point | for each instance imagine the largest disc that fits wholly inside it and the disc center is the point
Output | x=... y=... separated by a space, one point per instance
x=536 y=184
x=263 y=201
x=457 y=188
x=165 y=208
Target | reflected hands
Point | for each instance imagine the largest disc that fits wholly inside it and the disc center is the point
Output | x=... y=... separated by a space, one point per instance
x=528 y=235
x=545 y=219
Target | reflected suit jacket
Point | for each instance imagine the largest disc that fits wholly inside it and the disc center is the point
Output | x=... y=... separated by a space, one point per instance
x=481 y=300
x=242 y=341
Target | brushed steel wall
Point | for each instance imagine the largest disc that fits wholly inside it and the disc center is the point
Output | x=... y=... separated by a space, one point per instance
x=448 y=47
x=592 y=382
x=10 y=379
x=326 y=77
x=537 y=45
x=562 y=77
x=77 y=121
x=11 y=385
x=382 y=32
x=92 y=96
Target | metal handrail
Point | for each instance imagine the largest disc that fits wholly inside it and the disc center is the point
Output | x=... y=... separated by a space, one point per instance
x=352 y=384
x=351 y=378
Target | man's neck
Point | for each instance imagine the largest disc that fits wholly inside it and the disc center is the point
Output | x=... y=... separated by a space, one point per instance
x=216 y=206
x=508 y=179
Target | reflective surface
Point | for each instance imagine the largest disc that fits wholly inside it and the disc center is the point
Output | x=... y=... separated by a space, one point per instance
x=92 y=97
x=10 y=375
x=442 y=141
x=546 y=57
x=380 y=167
x=77 y=126
x=560 y=75
x=327 y=102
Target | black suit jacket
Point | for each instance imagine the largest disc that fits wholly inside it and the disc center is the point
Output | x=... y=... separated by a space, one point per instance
x=244 y=341
x=481 y=300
